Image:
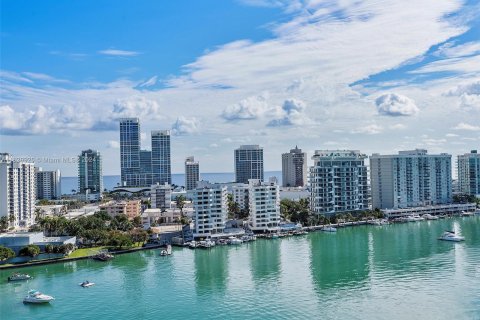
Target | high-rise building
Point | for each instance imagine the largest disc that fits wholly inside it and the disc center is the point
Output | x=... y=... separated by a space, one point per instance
x=192 y=173
x=145 y=175
x=129 y=151
x=210 y=209
x=17 y=191
x=161 y=166
x=248 y=163
x=264 y=203
x=410 y=179
x=161 y=196
x=90 y=178
x=48 y=184
x=338 y=182
x=294 y=168
x=468 y=166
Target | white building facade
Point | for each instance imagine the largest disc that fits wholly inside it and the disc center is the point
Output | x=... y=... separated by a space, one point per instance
x=48 y=184
x=338 y=180
x=468 y=166
x=410 y=179
x=240 y=195
x=264 y=202
x=17 y=191
x=161 y=196
x=210 y=209
x=192 y=173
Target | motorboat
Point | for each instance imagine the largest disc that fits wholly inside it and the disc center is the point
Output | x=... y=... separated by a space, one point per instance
x=206 y=244
x=329 y=229
x=234 y=241
x=167 y=251
x=35 y=296
x=466 y=213
x=428 y=216
x=19 y=277
x=86 y=284
x=416 y=218
x=192 y=244
x=451 y=236
x=103 y=256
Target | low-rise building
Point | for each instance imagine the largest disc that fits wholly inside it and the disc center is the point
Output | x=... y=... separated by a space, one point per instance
x=51 y=210
x=264 y=202
x=161 y=196
x=16 y=241
x=155 y=217
x=129 y=208
x=448 y=209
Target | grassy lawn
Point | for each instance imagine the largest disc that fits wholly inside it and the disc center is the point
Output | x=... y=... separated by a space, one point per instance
x=85 y=252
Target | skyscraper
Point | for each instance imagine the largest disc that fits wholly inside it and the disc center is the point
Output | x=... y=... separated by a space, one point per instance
x=248 y=163
x=338 y=181
x=264 y=203
x=17 y=191
x=410 y=179
x=145 y=175
x=468 y=166
x=129 y=151
x=90 y=179
x=294 y=168
x=192 y=173
x=161 y=167
x=48 y=184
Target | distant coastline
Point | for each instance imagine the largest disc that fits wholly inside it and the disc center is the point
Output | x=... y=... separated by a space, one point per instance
x=109 y=182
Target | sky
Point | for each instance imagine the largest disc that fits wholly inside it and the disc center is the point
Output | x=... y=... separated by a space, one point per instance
x=374 y=76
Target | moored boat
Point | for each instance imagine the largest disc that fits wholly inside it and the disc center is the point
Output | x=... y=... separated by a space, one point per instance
x=103 y=256
x=234 y=241
x=329 y=229
x=19 y=277
x=467 y=213
x=167 y=251
x=451 y=236
x=35 y=296
x=428 y=216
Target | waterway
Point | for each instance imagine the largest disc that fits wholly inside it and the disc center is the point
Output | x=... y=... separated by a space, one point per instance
x=367 y=272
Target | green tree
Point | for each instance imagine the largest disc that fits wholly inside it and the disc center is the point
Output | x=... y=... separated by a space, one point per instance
x=137 y=221
x=121 y=222
x=180 y=203
x=31 y=251
x=103 y=215
x=6 y=253
x=119 y=240
x=48 y=248
x=3 y=223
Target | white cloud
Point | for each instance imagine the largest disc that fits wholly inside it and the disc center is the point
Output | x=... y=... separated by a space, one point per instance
x=466 y=127
x=392 y=104
x=293 y=113
x=470 y=88
x=136 y=106
x=368 y=129
x=119 y=53
x=451 y=135
x=185 y=126
x=150 y=82
x=450 y=50
x=457 y=65
x=398 y=126
x=112 y=144
x=248 y=109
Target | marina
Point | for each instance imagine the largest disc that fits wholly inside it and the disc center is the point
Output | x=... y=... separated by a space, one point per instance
x=357 y=267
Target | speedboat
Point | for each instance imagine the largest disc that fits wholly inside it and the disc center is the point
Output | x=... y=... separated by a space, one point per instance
x=167 y=251
x=430 y=217
x=329 y=229
x=451 y=236
x=206 y=244
x=103 y=256
x=35 y=296
x=19 y=276
x=466 y=214
x=416 y=217
x=234 y=241
x=86 y=284
x=192 y=244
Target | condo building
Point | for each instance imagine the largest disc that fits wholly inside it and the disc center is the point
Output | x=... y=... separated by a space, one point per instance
x=468 y=166
x=192 y=173
x=338 y=181
x=161 y=196
x=90 y=176
x=294 y=168
x=129 y=151
x=210 y=209
x=161 y=165
x=17 y=191
x=248 y=163
x=145 y=174
x=264 y=203
x=240 y=195
x=48 y=184
x=410 y=179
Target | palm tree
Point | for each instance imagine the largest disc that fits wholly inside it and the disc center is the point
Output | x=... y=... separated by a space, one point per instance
x=180 y=202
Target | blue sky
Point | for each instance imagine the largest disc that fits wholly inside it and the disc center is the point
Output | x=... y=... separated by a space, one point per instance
x=374 y=76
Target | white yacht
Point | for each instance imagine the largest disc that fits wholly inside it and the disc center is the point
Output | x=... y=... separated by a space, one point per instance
x=19 y=276
x=167 y=251
x=451 y=236
x=428 y=216
x=234 y=241
x=467 y=213
x=86 y=284
x=35 y=296
x=416 y=217
x=192 y=244
x=329 y=229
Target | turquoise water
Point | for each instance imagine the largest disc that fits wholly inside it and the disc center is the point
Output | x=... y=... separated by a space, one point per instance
x=369 y=272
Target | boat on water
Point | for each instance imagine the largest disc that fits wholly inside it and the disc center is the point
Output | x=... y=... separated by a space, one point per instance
x=206 y=244
x=35 y=296
x=192 y=244
x=86 y=284
x=167 y=251
x=329 y=229
x=428 y=216
x=234 y=241
x=466 y=213
x=451 y=236
x=416 y=218
x=103 y=256
x=19 y=277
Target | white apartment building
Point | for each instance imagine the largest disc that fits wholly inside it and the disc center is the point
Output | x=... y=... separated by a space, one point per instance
x=338 y=180
x=210 y=209
x=240 y=195
x=161 y=196
x=410 y=179
x=17 y=191
x=48 y=184
x=468 y=166
x=264 y=201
